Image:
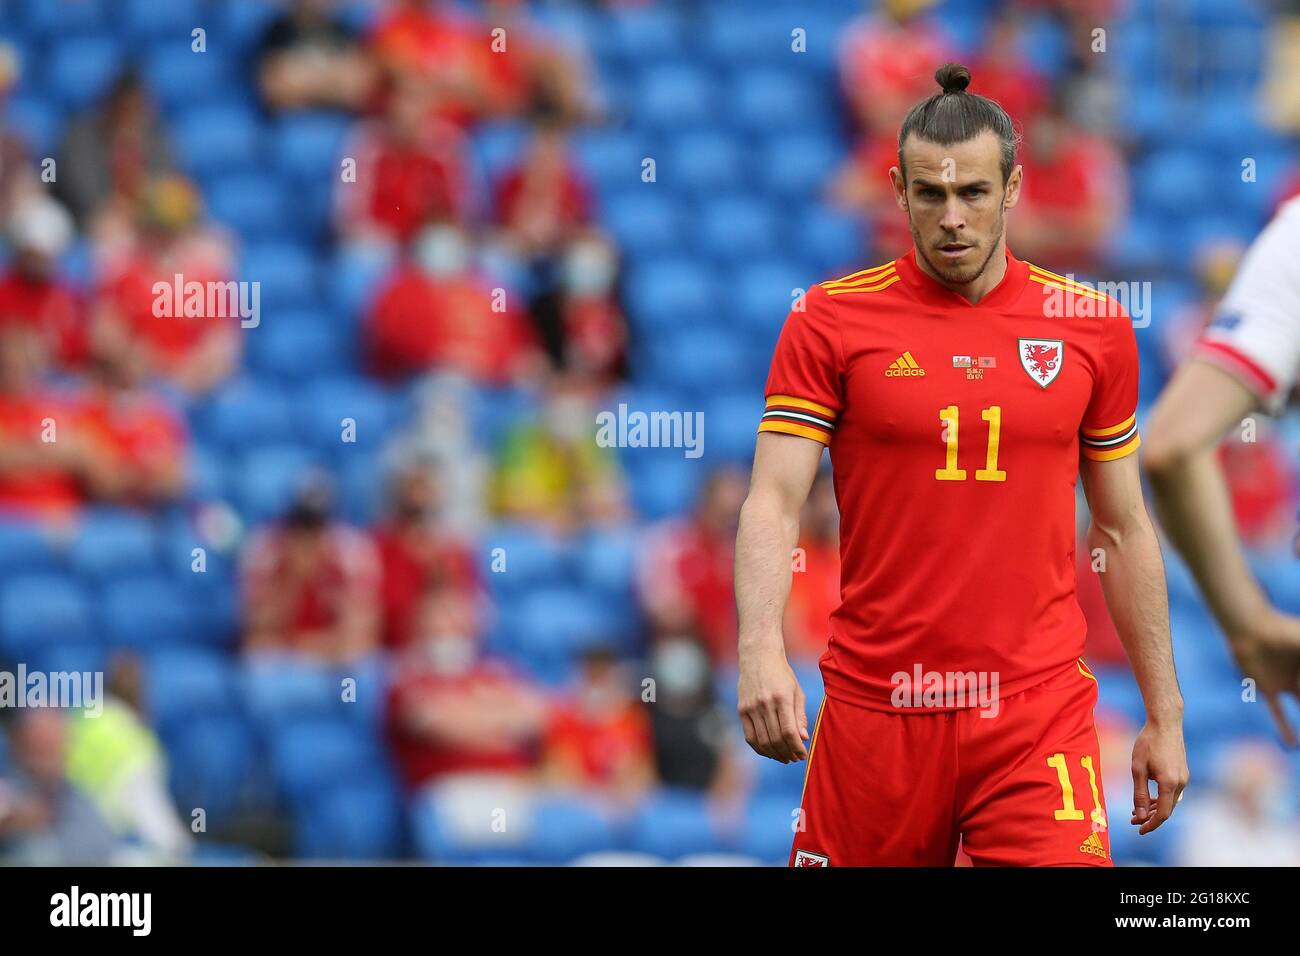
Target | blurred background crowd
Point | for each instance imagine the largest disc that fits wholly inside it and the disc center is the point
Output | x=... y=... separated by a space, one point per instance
x=362 y=582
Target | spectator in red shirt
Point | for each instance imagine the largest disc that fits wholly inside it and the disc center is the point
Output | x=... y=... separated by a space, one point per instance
x=887 y=63
x=31 y=291
x=1074 y=196
x=543 y=202
x=138 y=301
x=1002 y=73
x=454 y=711
x=601 y=738
x=528 y=72
x=434 y=313
x=409 y=171
x=415 y=555
x=144 y=438
x=861 y=185
x=686 y=570
x=310 y=585
x=50 y=462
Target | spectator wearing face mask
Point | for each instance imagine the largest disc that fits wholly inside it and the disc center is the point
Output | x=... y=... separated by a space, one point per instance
x=437 y=314
x=454 y=711
x=600 y=739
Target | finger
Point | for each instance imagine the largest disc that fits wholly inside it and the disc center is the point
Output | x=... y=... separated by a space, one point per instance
x=789 y=717
x=765 y=745
x=751 y=735
x=1141 y=794
x=773 y=715
x=1280 y=718
x=801 y=711
x=1164 y=808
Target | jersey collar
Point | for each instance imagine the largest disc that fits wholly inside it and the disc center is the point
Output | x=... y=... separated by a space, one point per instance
x=930 y=289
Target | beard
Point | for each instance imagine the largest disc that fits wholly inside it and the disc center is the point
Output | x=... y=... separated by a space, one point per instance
x=954 y=273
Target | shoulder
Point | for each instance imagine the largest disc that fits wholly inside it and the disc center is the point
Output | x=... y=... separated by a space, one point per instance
x=1072 y=297
x=862 y=282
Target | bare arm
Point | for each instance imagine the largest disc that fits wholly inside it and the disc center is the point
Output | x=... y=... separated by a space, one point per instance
x=1201 y=404
x=1133 y=582
x=771 y=703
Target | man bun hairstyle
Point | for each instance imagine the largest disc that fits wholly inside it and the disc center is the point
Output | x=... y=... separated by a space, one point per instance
x=953 y=116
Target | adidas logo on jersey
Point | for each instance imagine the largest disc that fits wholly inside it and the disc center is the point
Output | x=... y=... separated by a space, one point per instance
x=1093 y=845
x=904 y=367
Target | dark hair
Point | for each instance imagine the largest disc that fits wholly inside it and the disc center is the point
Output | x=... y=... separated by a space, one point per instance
x=954 y=116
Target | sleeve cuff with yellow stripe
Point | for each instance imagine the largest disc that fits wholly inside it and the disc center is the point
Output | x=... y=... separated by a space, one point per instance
x=1108 y=444
x=798 y=416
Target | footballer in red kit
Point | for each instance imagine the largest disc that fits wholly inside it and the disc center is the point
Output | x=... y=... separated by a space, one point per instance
x=962 y=394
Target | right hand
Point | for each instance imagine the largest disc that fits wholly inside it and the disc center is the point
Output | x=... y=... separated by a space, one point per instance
x=1269 y=653
x=771 y=707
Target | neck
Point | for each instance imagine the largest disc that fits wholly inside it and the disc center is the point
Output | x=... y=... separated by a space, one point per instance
x=982 y=284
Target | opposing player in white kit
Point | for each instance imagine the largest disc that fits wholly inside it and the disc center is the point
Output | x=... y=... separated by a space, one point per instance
x=1247 y=360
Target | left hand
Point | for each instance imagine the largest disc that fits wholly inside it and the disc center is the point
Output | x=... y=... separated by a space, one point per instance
x=1159 y=755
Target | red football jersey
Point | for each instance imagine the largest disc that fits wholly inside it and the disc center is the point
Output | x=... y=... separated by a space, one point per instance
x=955 y=432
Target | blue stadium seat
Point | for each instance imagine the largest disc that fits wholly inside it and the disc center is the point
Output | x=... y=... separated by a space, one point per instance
x=1164 y=180
x=247 y=413
x=765 y=291
x=308 y=755
x=81 y=69
x=37 y=609
x=673 y=824
x=66 y=17
x=700 y=361
x=27 y=547
x=182 y=684
x=356 y=819
x=703 y=163
x=532 y=557
x=830 y=242
x=613 y=159
x=556 y=624
x=670 y=293
x=242 y=22
x=309 y=146
x=734 y=229
x=148 y=611
x=566 y=827
x=327 y=402
x=69 y=657
x=148 y=19
x=733 y=425
x=765 y=99
x=279 y=689
x=606 y=560
x=38 y=121
x=212 y=761
x=362 y=494
x=293 y=347
x=665 y=484
x=269 y=477
x=797 y=166
x=767 y=833
x=223 y=139
x=110 y=543
x=182 y=78
x=287 y=275
x=675 y=96
x=440 y=836
x=497 y=148
x=252 y=204
x=644 y=222
x=642 y=34
x=355 y=276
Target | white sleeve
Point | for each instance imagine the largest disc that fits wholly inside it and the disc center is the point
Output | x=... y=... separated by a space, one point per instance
x=1255 y=334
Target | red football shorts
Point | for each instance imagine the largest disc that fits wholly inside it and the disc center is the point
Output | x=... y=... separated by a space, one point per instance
x=1022 y=788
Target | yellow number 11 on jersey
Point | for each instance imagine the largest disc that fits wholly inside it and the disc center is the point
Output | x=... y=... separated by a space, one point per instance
x=951 y=418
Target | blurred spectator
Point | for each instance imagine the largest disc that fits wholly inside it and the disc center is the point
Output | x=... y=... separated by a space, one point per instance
x=435 y=312
x=543 y=202
x=18 y=180
x=861 y=185
x=549 y=469
x=528 y=72
x=44 y=819
x=1074 y=196
x=308 y=58
x=432 y=42
x=138 y=300
x=692 y=733
x=599 y=738
x=1248 y=819
x=119 y=763
x=887 y=61
x=416 y=554
x=145 y=440
x=1277 y=95
x=31 y=290
x=815 y=583
x=311 y=584
x=410 y=171
x=686 y=568
x=454 y=711
x=109 y=154
x=49 y=460
x=1003 y=74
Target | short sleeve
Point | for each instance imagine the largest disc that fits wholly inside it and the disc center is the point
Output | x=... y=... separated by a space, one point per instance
x=1255 y=334
x=1109 y=428
x=805 y=385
